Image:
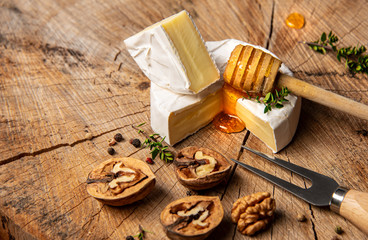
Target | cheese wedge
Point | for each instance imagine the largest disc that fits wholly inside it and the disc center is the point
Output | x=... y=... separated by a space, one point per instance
x=176 y=116
x=275 y=128
x=173 y=55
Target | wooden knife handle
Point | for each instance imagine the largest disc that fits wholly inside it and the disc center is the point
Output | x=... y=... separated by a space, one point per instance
x=322 y=96
x=354 y=207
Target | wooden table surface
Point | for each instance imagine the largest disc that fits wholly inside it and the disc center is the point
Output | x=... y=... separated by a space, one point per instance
x=65 y=72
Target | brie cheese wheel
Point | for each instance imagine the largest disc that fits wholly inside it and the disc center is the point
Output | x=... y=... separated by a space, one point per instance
x=276 y=128
x=176 y=116
x=173 y=55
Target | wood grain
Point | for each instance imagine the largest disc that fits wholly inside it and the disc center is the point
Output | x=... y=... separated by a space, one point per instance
x=65 y=72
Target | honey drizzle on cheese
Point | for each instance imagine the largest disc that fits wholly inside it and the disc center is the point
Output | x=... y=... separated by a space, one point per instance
x=227 y=121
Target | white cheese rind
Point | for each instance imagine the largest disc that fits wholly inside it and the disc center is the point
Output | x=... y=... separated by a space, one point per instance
x=156 y=55
x=176 y=116
x=283 y=122
x=221 y=51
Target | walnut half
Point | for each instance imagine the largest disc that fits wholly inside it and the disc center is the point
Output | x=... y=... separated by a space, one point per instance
x=120 y=181
x=254 y=212
x=200 y=168
x=192 y=217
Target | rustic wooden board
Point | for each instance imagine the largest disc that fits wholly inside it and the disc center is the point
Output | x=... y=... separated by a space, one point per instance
x=64 y=72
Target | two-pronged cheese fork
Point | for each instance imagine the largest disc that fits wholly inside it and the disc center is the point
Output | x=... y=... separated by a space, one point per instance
x=351 y=204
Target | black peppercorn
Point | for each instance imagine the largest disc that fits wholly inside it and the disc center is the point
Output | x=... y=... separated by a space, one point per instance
x=111 y=151
x=129 y=238
x=135 y=142
x=118 y=137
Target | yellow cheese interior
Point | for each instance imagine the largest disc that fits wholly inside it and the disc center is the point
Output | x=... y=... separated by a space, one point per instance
x=256 y=126
x=199 y=67
x=190 y=120
x=253 y=123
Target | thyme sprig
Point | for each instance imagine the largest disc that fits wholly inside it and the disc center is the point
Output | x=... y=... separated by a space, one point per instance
x=141 y=233
x=156 y=147
x=140 y=125
x=354 y=58
x=274 y=99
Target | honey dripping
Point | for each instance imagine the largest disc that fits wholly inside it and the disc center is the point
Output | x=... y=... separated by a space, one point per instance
x=295 y=20
x=227 y=121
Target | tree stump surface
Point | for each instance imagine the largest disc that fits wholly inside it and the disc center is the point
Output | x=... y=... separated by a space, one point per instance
x=65 y=72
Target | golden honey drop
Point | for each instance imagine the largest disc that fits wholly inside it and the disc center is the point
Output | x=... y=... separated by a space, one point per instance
x=295 y=20
x=228 y=123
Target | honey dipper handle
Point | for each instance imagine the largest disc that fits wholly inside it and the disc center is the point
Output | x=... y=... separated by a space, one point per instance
x=322 y=96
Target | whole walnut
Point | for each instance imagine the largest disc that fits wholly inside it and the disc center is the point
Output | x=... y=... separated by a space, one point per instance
x=253 y=213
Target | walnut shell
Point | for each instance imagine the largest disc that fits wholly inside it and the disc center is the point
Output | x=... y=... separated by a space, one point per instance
x=254 y=212
x=120 y=181
x=186 y=165
x=193 y=217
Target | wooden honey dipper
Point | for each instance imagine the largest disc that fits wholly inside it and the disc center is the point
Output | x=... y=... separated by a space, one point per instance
x=254 y=71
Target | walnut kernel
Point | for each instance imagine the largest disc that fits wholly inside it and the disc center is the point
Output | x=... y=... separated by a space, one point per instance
x=204 y=169
x=254 y=212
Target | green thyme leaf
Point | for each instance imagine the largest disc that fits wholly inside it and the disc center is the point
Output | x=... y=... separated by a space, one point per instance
x=279 y=105
x=267 y=97
x=154 y=153
x=154 y=135
x=140 y=125
x=323 y=37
